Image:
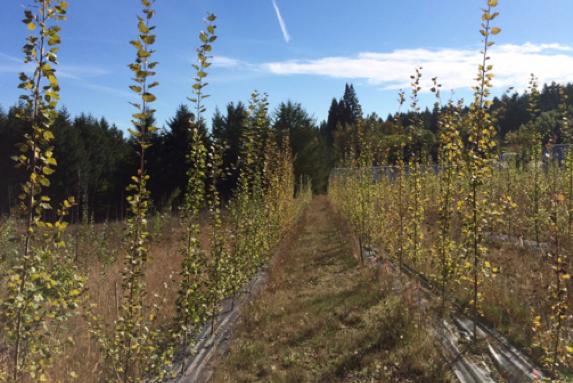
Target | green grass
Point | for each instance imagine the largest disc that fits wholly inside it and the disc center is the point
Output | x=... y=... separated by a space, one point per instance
x=324 y=318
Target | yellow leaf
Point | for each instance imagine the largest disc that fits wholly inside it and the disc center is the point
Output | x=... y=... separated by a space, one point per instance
x=31 y=26
x=537 y=320
x=142 y=27
x=47 y=171
x=495 y=30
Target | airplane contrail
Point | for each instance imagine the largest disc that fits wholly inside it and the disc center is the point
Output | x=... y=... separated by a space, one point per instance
x=281 y=22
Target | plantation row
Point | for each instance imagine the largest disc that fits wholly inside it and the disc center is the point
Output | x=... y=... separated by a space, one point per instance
x=50 y=298
x=492 y=233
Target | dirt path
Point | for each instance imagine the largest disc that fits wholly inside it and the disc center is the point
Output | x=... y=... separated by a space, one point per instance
x=324 y=318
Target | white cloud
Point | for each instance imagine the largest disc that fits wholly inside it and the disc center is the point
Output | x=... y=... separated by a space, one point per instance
x=281 y=21
x=455 y=68
x=226 y=62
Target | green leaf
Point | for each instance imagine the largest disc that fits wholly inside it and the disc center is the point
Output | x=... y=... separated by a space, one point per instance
x=54 y=39
x=136 y=43
x=44 y=182
x=142 y=27
x=142 y=53
x=149 y=39
x=48 y=135
x=148 y=97
x=47 y=171
x=53 y=81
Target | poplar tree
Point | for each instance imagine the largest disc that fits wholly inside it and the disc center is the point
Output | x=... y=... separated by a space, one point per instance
x=481 y=142
x=41 y=286
x=193 y=297
x=136 y=350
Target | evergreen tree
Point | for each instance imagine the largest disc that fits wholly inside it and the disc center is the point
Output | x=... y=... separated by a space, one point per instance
x=228 y=131
x=327 y=130
x=10 y=179
x=352 y=110
x=311 y=159
x=168 y=153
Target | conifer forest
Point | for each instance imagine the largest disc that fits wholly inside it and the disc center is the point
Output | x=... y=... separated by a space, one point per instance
x=253 y=243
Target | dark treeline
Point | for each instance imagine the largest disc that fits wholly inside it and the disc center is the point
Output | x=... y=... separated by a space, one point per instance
x=95 y=159
x=94 y=163
x=513 y=121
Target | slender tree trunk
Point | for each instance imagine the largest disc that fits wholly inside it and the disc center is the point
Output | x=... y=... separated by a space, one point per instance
x=476 y=257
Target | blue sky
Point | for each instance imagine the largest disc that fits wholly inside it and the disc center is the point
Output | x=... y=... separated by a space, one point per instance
x=319 y=46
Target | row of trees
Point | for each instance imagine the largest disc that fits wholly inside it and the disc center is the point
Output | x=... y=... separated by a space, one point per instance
x=514 y=127
x=462 y=220
x=42 y=285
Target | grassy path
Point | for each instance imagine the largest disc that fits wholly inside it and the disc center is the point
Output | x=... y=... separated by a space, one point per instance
x=325 y=318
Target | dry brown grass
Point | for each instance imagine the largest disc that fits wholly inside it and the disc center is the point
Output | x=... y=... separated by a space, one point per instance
x=512 y=296
x=104 y=290
x=99 y=251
